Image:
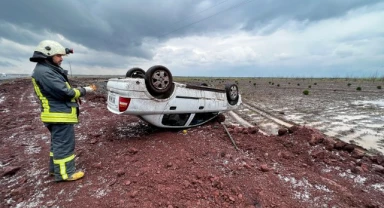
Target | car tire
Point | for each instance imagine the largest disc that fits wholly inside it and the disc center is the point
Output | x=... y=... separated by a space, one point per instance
x=232 y=91
x=135 y=73
x=159 y=81
x=204 y=84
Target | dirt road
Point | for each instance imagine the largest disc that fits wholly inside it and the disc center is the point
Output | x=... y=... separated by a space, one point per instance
x=129 y=164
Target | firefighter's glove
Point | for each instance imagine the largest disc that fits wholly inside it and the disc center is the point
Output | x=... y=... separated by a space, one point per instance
x=90 y=88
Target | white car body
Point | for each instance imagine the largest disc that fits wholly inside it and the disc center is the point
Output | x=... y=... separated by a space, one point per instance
x=190 y=101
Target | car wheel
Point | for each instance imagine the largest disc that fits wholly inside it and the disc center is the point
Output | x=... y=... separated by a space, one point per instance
x=159 y=81
x=232 y=93
x=135 y=73
x=204 y=84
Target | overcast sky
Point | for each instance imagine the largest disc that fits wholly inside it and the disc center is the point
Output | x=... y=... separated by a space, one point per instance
x=238 y=38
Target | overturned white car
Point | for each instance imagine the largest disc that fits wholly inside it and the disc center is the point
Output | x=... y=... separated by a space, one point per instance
x=156 y=99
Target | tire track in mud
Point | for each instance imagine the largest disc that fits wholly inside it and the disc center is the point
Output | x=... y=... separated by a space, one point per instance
x=249 y=115
x=242 y=121
x=269 y=116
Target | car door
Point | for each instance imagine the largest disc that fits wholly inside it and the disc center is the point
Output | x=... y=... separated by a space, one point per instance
x=186 y=101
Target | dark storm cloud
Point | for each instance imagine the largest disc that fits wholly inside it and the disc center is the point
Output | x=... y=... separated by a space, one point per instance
x=11 y=32
x=94 y=25
x=6 y=64
x=100 y=62
x=120 y=26
x=299 y=10
x=9 y=51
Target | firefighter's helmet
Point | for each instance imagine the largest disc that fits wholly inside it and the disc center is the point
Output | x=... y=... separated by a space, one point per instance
x=51 y=48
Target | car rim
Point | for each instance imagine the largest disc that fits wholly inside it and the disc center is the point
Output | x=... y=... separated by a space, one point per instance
x=160 y=79
x=233 y=92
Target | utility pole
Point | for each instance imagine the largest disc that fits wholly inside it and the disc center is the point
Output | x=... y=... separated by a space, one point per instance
x=70 y=68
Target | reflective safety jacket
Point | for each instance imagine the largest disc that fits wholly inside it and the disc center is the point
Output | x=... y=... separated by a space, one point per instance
x=57 y=97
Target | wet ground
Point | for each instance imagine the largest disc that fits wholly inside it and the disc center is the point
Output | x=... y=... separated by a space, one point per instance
x=130 y=164
x=332 y=106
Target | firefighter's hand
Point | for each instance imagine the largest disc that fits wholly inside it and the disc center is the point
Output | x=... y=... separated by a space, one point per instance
x=90 y=88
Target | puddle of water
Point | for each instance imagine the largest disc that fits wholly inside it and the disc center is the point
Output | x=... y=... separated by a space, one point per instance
x=370 y=141
x=375 y=125
x=340 y=126
x=293 y=117
x=331 y=134
x=378 y=103
x=316 y=124
x=366 y=138
x=346 y=118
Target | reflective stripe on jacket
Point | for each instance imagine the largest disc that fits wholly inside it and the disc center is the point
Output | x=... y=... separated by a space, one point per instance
x=58 y=99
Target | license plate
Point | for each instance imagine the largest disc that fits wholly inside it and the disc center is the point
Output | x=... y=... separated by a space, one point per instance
x=111 y=98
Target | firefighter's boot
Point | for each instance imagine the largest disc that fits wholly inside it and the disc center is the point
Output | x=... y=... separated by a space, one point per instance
x=75 y=176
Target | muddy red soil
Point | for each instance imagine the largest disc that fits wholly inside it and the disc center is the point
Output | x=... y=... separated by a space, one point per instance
x=130 y=164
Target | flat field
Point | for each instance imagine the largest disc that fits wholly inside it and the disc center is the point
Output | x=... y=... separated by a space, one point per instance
x=130 y=164
x=334 y=105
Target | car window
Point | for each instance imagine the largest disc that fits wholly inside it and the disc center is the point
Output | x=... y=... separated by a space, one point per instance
x=202 y=117
x=175 y=119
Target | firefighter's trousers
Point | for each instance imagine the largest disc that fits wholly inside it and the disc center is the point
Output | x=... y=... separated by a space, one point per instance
x=62 y=158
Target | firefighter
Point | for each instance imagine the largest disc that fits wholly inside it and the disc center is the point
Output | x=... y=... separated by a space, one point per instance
x=59 y=107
